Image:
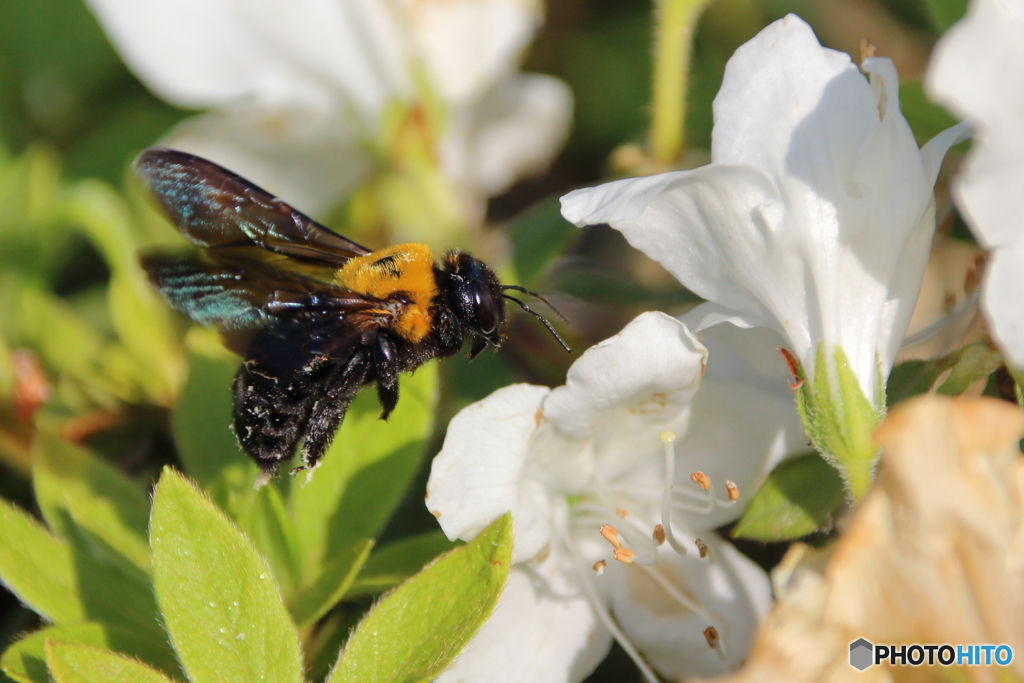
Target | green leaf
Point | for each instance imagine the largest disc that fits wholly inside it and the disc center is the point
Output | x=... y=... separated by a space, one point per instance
x=274 y=535
x=417 y=630
x=37 y=567
x=967 y=365
x=945 y=13
x=797 y=499
x=976 y=363
x=364 y=474
x=144 y=324
x=74 y=488
x=75 y=663
x=221 y=607
x=394 y=563
x=25 y=662
x=334 y=582
x=538 y=235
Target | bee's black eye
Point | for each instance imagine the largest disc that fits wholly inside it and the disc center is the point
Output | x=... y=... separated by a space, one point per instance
x=486 y=309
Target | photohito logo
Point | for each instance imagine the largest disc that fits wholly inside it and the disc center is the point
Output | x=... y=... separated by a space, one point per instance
x=863 y=654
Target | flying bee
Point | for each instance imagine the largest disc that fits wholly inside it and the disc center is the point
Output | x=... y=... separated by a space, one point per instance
x=314 y=315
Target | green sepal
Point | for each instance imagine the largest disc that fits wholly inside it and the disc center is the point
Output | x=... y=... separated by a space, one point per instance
x=840 y=420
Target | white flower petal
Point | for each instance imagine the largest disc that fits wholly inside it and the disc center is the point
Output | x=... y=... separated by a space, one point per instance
x=1004 y=281
x=543 y=631
x=733 y=591
x=206 y=53
x=514 y=130
x=469 y=44
x=787 y=106
x=976 y=71
x=304 y=155
x=477 y=476
x=653 y=367
x=713 y=228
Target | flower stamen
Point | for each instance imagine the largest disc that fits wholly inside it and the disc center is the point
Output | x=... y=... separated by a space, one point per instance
x=599 y=567
x=732 y=490
x=624 y=555
x=705 y=551
x=597 y=604
x=715 y=641
x=611 y=535
x=702 y=480
x=659 y=534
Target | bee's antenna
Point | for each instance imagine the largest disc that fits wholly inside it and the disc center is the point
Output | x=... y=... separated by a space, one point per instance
x=537 y=315
x=539 y=297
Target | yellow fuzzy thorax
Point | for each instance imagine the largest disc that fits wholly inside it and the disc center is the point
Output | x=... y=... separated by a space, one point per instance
x=407 y=268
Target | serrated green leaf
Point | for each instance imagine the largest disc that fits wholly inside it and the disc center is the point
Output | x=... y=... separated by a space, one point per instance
x=24 y=661
x=364 y=474
x=220 y=604
x=396 y=562
x=417 y=630
x=37 y=567
x=76 y=663
x=313 y=602
x=72 y=486
x=797 y=499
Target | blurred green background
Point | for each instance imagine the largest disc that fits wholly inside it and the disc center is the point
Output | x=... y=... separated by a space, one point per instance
x=71 y=112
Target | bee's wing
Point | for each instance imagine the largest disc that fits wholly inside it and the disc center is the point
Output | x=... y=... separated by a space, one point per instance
x=241 y=297
x=215 y=208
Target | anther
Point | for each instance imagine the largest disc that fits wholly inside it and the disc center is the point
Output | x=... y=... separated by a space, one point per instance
x=611 y=535
x=732 y=490
x=624 y=555
x=867 y=49
x=702 y=480
x=794 y=368
x=599 y=567
x=659 y=534
x=702 y=548
x=711 y=635
x=621 y=513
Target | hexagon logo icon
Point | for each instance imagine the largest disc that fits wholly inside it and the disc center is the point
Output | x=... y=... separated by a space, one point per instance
x=861 y=654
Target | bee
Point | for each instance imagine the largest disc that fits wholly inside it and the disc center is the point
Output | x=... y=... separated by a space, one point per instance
x=314 y=315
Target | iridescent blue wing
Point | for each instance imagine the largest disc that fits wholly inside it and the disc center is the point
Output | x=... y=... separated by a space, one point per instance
x=241 y=296
x=217 y=209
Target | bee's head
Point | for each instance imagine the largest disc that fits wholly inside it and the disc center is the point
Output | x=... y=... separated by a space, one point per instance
x=475 y=298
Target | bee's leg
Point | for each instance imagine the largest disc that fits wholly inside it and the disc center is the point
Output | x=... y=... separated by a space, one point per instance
x=328 y=410
x=385 y=361
x=270 y=414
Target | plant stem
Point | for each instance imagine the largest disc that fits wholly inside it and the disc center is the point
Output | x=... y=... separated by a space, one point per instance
x=673 y=42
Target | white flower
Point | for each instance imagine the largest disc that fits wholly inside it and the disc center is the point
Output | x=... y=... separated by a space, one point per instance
x=570 y=460
x=815 y=215
x=300 y=92
x=977 y=70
